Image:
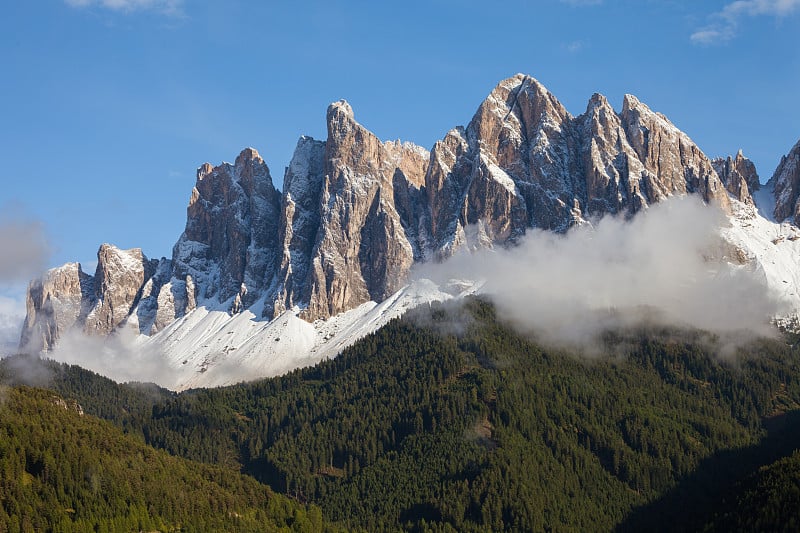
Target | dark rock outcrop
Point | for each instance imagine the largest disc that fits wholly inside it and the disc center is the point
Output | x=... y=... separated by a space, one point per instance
x=786 y=184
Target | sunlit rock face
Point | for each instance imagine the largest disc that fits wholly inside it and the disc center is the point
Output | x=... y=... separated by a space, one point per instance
x=739 y=176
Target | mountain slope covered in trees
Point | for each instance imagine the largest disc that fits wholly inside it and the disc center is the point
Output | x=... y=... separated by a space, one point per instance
x=449 y=420
x=765 y=501
x=62 y=471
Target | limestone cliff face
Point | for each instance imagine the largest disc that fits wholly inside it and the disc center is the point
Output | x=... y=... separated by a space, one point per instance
x=356 y=212
x=55 y=302
x=231 y=238
x=786 y=184
x=118 y=281
x=739 y=176
x=361 y=251
x=522 y=135
x=348 y=230
x=445 y=183
x=672 y=163
x=613 y=172
x=300 y=222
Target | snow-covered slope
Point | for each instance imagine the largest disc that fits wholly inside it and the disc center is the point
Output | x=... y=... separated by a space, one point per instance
x=769 y=248
x=211 y=347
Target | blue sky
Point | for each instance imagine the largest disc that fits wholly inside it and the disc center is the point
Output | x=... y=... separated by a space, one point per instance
x=109 y=106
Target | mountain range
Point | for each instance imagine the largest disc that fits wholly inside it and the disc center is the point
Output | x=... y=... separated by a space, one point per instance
x=262 y=281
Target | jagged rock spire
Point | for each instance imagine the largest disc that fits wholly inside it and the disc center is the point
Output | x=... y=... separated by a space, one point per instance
x=739 y=176
x=230 y=243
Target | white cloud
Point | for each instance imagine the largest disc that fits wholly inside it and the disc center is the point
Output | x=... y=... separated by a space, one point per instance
x=118 y=355
x=574 y=47
x=711 y=35
x=167 y=7
x=725 y=23
x=654 y=269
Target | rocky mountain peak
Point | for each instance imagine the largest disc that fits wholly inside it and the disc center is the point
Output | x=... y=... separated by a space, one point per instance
x=360 y=250
x=523 y=84
x=786 y=185
x=232 y=223
x=299 y=223
x=118 y=279
x=249 y=154
x=55 y=301
x=66 y=298
x=340 y=120
x=515 y=110
x=204 y=170
x=535 y=98
x=251 y=171
x=350 y=146
x=340 y=109
x=600 y=117
x=670 y=155
x=630 y=104
x=305 y=171
x=601 y=110
x=597 y=100
x=739 y=176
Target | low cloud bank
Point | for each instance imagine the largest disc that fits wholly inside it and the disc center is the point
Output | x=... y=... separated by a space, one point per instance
x=666 y=266
x=118 y=356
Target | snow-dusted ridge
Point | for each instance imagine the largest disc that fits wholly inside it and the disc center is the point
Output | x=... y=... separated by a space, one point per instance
x=210 y=347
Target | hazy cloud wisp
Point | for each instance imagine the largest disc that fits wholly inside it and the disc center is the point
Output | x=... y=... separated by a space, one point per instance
x=725 y=23
x=12 y=313
x=167 y=7
x=25 y=253
x=25 y=249
x=118 y=356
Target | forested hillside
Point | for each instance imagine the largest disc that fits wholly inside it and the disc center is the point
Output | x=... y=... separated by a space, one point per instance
x=449 y=420
x=765 y=501
x=63 y=471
